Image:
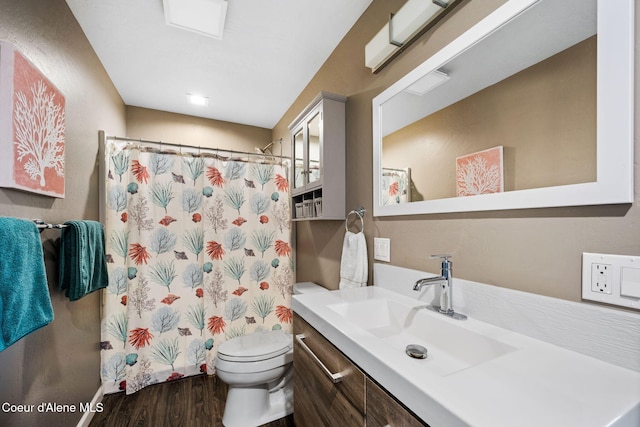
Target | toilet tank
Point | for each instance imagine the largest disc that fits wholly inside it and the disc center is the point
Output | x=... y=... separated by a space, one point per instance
x=307 y=287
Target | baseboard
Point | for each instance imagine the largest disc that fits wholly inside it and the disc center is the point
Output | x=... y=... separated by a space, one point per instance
x=88 y=416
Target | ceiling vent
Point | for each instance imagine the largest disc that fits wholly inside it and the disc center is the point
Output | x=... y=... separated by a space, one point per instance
x=204 y=17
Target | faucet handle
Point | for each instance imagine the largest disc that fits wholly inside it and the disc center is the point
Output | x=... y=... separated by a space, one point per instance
x=446 y=263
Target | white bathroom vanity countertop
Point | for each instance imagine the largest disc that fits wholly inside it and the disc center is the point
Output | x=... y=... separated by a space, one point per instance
x=528 y=382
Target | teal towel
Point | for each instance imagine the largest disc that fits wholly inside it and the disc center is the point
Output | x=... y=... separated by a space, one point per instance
x=25 y=304
x=83 y=263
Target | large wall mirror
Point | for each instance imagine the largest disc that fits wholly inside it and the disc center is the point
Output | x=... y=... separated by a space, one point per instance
x=532 y=107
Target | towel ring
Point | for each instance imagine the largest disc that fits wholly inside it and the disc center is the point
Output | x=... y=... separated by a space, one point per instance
x=359 y=215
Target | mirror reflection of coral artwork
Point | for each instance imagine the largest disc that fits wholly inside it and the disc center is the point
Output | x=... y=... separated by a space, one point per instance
x=481 y=172
x=32 y=127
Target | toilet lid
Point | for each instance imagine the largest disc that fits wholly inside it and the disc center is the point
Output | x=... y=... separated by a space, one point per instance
x=256 y=346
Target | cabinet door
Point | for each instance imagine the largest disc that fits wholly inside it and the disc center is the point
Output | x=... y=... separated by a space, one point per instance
x=314 y=150
x=299 y=169
x=383 y=410
x=317 y=400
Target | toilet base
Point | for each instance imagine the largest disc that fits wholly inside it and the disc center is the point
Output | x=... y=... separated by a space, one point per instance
x=257 y=405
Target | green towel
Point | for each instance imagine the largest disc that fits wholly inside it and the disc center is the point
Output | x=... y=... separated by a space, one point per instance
x=25 y=304
x=83 y=265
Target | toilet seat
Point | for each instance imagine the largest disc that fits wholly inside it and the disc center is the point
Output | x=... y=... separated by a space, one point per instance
x=255 y=347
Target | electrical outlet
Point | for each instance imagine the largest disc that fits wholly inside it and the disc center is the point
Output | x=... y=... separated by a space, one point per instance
x=601 y=277
x=611 y=279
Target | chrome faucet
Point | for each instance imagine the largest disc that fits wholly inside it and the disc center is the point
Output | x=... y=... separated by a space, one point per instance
x=445 y=280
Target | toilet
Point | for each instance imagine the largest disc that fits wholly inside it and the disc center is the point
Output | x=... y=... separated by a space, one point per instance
x=258 y=368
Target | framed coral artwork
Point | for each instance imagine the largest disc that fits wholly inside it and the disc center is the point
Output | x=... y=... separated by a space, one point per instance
x=32 y=127
x=481 y=172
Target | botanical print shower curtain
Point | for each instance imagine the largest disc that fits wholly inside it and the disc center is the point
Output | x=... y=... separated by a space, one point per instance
x=198 y=252
x=396 y=186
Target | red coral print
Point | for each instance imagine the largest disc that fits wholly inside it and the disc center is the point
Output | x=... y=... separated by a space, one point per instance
x=122 y=386
x=140 y=337
x=169 y=299
x=203 y=368
x=140 y=172
x=123 y=217
x=264 y=286
x=196 y=217
x=281 y=182
x=175 y=376
x=216 y=325
x=166 y=220
x=239 y=221
x=264 y=219
x=199 y=293
x=215 y=177
x=284 y=314
x=241 y=290
x=393 y=189
x=282 y=248
x=215 y=250
x=139 y=254
x=123 y=300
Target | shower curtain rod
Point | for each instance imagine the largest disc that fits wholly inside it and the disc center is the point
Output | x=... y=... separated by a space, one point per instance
x=217 y=150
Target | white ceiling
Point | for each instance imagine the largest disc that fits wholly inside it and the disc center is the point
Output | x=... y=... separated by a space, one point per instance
x=270 y=51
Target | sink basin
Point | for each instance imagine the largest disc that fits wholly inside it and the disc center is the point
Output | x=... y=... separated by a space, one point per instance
x=395 y=324
x=381 y=317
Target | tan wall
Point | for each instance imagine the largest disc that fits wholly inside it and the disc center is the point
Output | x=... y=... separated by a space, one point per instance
x=60 y=362
x=157 y=125
x=537 y=250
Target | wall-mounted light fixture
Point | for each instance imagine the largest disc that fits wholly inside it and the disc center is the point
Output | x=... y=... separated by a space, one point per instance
x=403 y=28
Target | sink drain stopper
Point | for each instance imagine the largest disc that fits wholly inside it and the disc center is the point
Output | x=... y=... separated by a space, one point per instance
x=416 y=351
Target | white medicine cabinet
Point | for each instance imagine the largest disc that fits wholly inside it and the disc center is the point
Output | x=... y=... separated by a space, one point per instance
x=318 y=150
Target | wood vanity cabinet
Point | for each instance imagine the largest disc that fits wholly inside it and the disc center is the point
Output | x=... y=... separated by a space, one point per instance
x=383 y=410
x=355 y=400
x=318 y=401
x=319 y=167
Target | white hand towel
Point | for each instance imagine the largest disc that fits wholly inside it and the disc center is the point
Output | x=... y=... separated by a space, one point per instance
x=354 y=267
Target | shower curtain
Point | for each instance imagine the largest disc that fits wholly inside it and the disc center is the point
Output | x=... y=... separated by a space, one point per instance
x=198 y=252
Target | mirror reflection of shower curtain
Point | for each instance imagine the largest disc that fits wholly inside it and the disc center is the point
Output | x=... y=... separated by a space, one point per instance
x=199 y=252
x=396 y=186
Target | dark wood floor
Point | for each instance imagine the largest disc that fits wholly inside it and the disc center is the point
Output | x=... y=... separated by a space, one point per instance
x=189 y=402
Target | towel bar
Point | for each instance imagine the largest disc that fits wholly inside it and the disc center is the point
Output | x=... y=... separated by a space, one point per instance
x=44 y=225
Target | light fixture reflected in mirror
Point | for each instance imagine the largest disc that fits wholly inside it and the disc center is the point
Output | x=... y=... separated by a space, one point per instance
x=409 y=23
x=427 y=83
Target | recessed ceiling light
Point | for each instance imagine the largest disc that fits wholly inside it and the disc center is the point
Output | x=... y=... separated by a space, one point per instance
x=205 y=17
x=201 y=101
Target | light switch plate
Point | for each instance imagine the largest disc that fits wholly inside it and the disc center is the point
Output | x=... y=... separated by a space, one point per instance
x=617 y=279
x=382 y=249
